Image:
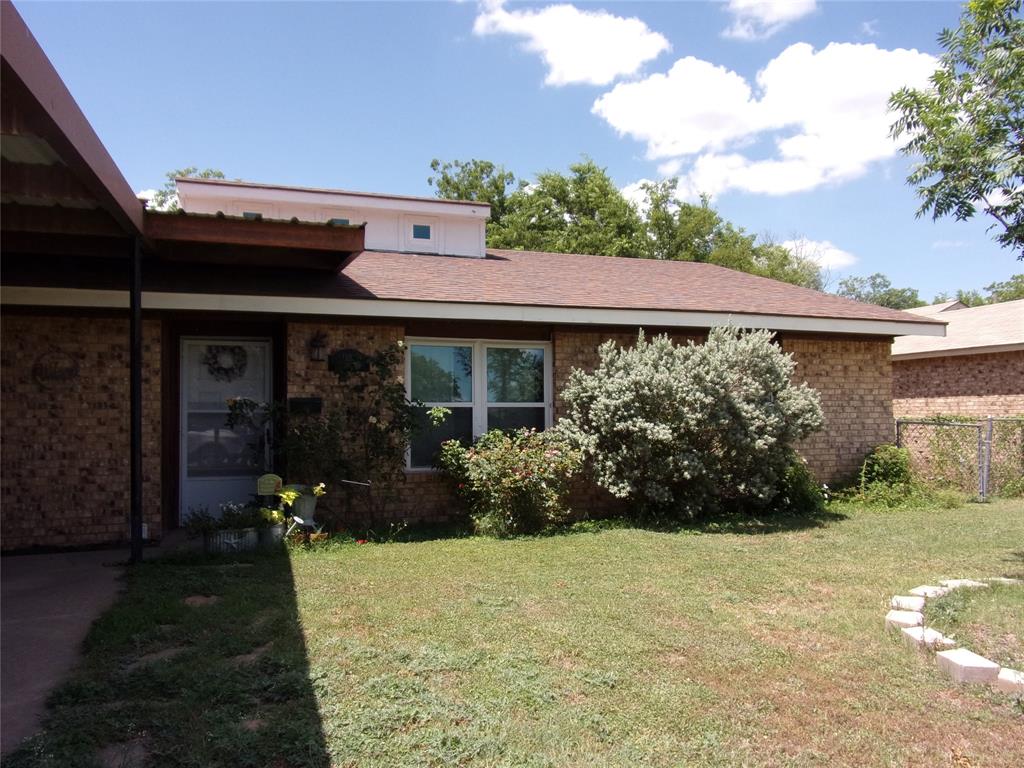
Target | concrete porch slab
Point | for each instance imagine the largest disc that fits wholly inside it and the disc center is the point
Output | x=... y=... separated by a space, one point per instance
x=48 y=604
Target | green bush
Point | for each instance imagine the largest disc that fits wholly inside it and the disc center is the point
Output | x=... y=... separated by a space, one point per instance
x=799 y=493
x=888 y=465
x=680 y=430
x=887 y=482
x=513 y=483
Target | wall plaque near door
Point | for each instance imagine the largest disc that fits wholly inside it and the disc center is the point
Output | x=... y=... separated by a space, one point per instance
x=54 y=367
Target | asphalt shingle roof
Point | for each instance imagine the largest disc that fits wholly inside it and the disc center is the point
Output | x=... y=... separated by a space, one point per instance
x=573 y=280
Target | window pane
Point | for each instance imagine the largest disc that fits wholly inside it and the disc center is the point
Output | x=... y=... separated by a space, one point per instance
x=515 y=418
x=515 y=375
x=216 y=450
x=427 y=438
x=421 y=231
x=442 y=374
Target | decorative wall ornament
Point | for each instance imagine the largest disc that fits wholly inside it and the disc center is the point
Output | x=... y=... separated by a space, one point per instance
x=225 y=362
x=55 y=367
x=345 y=362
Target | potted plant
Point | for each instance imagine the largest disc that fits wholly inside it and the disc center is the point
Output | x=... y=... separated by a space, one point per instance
x=235 y=531
x=271 y=530
x=302 y=498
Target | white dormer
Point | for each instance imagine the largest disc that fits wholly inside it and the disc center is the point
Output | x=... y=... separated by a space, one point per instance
x=393 y=222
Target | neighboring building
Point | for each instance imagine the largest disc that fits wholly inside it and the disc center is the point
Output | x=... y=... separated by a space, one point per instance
x=236 y=287
x=976 y=369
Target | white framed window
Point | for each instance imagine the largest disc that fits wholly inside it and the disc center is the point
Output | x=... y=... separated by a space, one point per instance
x=485 y=384
x=420 y=233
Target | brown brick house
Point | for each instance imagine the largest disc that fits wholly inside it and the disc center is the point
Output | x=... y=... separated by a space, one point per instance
x=124 y=331
x=976 y=369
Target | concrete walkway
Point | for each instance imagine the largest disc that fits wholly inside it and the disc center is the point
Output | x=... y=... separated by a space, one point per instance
x=48 y=604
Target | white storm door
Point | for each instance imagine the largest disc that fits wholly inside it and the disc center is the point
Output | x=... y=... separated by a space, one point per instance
x=219 y=464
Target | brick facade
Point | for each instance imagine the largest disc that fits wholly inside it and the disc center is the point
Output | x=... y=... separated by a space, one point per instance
x=968 y=385
x=854 y=379
x=65 y=443
x=423 y=496
x=64 y=477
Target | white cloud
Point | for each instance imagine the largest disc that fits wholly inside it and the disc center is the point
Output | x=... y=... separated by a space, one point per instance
x=820 y=117
x=869 y=28
x=941 y=245
x=823 y=252
x=760 y=19
x=593 y=47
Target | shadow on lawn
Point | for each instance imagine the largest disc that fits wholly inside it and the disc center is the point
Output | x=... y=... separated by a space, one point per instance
x=222 y=682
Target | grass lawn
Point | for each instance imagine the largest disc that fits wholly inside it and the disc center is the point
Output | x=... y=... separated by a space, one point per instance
x=988 y=621
x=617 y=647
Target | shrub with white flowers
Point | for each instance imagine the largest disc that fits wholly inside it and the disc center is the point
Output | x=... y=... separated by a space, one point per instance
x=690 y=429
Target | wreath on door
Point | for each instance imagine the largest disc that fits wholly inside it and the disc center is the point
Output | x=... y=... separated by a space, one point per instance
x=225 y=362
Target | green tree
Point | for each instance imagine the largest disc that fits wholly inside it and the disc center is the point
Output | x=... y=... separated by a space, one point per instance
x=578 y=212
x=1007 y=290
x=697 y=232
x=479 y=180
x=967 y=128
x=166 y=198
x=878 y=289
x=584 y=212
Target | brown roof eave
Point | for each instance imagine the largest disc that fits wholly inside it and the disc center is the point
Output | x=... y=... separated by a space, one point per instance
x=62 y=123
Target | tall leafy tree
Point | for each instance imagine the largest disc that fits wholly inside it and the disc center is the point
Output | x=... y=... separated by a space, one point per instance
x=967 y=128
x=878 y=289
x=479 y=180
x=582 y=211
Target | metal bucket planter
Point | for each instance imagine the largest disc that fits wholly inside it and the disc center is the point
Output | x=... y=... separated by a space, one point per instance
x=271 y=536
x=304 y=507
x=230 y=541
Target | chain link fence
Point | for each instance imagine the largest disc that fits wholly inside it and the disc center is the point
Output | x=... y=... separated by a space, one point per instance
x=984 y=456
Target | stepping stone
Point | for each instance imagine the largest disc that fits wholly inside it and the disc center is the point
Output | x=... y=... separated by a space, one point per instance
x=253 y=724
x=1009 y=681
x=959 y=583
x=255 y=655
x=929 y=592
x=900 y=619
x=904 y=603
x=196 y=601
x=967 y=667
x=1001 y=580
x=924 y=637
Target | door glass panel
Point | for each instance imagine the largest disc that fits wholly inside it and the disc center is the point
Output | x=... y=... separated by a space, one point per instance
x=515 y=375
x=515 y=418
x=442 y=374
x=220 y=371
x=427 y=438
x=215 y=450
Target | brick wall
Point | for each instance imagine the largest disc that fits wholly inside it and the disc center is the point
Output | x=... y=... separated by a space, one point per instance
x=854 y=379
x=971 y=385
x=423 y=496
x=64 y=457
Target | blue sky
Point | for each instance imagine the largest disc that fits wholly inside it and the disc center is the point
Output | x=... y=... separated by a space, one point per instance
x=362 y=96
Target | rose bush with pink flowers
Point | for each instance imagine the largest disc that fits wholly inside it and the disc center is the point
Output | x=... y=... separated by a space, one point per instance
x=513 y=483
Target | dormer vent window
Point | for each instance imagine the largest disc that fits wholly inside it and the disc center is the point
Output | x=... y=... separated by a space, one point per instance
x=421 y=231
x=252 y=215
x=338 y=222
